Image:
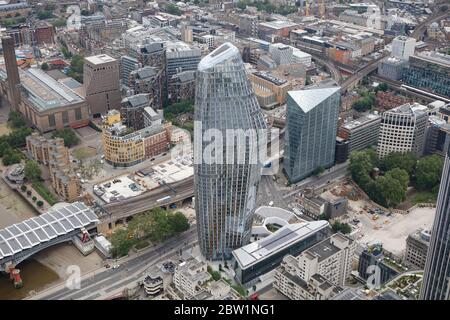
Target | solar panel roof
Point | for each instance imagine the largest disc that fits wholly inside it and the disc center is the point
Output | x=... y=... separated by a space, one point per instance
x=34 y=231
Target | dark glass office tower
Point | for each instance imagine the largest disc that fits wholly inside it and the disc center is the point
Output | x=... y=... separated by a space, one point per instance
x=436 y=280
x=225 y=186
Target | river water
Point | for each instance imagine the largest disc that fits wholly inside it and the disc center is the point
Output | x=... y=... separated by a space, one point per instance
x=35 y=275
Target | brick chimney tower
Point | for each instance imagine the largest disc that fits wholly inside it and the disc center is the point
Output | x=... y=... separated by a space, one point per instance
x=12 y=71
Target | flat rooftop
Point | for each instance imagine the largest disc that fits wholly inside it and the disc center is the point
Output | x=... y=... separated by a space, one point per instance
x=46 y=93
x=278 y=24
x=323 y=250
x=281 y=239
x=100 y=59
x=361 y=121
x=436 y=57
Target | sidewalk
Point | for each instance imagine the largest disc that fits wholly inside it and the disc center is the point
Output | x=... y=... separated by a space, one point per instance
x=62 y=285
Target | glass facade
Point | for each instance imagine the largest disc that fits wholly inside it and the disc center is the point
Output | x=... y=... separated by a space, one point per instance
x=225 y=192
x=271 y=262
x=311 y=129
x=428 y=74
x=436 y=285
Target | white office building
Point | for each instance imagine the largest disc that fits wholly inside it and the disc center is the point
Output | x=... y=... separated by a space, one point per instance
x=331 y=258
x=403 y=47
x=319 y=272
x=299 y=56
x=403 y=129
x=281 y=53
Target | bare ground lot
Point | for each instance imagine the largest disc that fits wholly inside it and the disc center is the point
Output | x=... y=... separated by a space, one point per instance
x=394 y=232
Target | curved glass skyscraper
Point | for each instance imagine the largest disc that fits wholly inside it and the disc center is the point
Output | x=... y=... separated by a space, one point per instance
x=227 y=130
x=436 y=276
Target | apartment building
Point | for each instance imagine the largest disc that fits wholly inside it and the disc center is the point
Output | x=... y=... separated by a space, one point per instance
x=53 y=154
x=124 y=146
x=417 y=248
x=331 y=258
x=148 y=80
x=319 y=272
x=190 y=276
x=403 y=129
x=181 y=87
x=295 y=288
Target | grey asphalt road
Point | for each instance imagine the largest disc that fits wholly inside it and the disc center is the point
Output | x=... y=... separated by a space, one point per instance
x=111 y=279
x=332 y=175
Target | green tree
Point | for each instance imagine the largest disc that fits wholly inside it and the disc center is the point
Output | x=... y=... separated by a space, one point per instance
x=45 y=66
x=39 y=203
x=345 y=228
x=65 y=51
x=382 y=87
x=17 y=137
x=178 y=222
x=240 y=289
x=58 y=23
x=121 y=243
x=4 y=148
x=214 y=274
x=428 y=172
x=44 y=15
x=241 y=5
x=32 y=171
x=11 y=156
x=406 y=161
x=15 y=120
x=392 y=191
x=399 y=175
x=69 y=136
x=361 y=164
x=318 y=171
x=173 y=9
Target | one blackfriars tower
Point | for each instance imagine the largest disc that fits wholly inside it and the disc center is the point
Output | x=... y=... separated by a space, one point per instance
x=227 y=169
x=436 y=277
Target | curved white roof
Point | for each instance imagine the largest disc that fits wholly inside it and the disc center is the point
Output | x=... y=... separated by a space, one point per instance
x=222 y=53
x=56 y=222
x=281 y=239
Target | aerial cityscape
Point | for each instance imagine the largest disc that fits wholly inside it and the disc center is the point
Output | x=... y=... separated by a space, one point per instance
x=224 y=150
